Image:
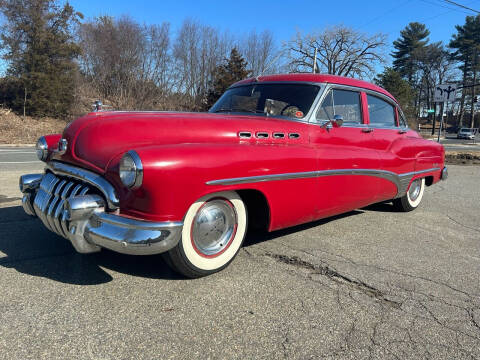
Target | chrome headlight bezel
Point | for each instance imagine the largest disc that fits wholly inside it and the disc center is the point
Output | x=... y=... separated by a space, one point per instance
x=42 y=149
x=131 y=170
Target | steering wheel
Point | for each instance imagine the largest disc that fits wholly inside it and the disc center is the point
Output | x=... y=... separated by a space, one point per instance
x=289 y=110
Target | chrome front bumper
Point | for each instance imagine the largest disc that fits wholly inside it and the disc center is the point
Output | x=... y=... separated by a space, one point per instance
x=71 y=204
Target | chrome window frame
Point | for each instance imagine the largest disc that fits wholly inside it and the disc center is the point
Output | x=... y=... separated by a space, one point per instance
x=327 y=89
x=331 y=86
x=310 y=117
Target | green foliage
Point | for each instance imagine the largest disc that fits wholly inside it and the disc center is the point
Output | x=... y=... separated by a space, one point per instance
x=235 y=69
x=40 y=53
x=412 y=38
x=466 y=44
x=392 y=81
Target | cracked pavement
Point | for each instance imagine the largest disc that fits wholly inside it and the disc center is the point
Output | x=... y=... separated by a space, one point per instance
x=370 y=284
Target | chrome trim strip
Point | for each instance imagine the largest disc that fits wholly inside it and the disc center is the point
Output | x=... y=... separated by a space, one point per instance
x=401 y=181
x=89 y=177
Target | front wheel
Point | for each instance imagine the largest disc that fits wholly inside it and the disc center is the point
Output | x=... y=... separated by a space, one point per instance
x=412 y=198
x=213 y=232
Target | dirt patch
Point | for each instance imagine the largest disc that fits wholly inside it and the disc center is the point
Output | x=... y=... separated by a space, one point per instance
x=15 y=129
x=462 y=158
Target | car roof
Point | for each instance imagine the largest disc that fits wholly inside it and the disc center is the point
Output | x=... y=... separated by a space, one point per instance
x=316 y=78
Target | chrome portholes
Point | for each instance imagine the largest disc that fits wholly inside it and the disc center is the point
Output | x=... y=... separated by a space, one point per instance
x=414 y=190
x=265 y=135
x=214 y=227
x=245 y=134
x=261 y=135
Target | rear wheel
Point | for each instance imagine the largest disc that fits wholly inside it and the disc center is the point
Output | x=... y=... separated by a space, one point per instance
x=213 y=232
x=412 y=198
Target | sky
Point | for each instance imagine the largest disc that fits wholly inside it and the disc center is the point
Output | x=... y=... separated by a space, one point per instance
x=284 y=18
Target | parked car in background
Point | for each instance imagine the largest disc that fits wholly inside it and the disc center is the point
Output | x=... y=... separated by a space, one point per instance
x=466 y=133
x=274 y=151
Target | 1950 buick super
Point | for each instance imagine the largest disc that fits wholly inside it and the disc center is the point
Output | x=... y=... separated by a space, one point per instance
x=273 y=152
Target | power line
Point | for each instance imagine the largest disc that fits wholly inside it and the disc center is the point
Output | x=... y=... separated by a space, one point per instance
x=462 y=6
x=382 y=16
x=442 y=5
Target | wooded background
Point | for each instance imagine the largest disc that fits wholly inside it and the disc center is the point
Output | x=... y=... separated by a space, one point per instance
x=59 y=63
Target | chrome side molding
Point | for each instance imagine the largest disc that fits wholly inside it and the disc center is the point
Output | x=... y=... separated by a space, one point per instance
x=401 y=181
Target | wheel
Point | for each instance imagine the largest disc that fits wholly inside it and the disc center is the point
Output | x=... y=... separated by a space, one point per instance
x=213 y=232
x=412 y=198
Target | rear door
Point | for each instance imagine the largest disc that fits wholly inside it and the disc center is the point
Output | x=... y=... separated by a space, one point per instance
x=341 y=151
x=391 y=139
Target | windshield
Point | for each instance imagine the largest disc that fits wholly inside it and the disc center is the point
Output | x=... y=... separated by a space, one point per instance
x=284 y=100
x=466 y=130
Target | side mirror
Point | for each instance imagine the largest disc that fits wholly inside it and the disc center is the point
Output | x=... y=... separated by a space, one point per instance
x=337 y=121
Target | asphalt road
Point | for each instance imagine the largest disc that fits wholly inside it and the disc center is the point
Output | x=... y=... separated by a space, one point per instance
x=372 y=283
x=452 y=143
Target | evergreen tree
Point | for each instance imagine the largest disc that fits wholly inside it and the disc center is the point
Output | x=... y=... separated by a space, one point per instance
x=40 y=53
x=234 y=69
x=466 y=46
x=412 y=38
x=391 y=81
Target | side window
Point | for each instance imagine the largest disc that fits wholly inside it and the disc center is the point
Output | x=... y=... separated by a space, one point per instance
x=382 y=113
x=341 y=102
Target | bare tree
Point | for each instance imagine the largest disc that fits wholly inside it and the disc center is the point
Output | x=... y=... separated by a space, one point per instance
x=197 y=50
x=258 y=49
x=340 y=51
x=125 y=62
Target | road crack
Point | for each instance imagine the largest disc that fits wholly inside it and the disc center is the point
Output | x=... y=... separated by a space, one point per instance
x=336 y=276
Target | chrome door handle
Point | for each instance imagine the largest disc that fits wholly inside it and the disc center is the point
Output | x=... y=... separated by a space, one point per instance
x=367 y=130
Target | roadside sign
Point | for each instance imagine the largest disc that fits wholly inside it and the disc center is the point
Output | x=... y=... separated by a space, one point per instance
x=445 y=92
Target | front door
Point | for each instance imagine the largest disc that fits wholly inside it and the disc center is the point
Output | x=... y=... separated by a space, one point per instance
x=346 y=160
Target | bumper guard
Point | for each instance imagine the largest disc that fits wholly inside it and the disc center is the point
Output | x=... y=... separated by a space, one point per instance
x=82 y=219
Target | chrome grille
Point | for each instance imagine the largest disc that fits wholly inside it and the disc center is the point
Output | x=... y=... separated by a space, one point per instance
x=49 y=203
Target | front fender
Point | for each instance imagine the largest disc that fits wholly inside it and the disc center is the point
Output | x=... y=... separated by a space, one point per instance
x=177 y=175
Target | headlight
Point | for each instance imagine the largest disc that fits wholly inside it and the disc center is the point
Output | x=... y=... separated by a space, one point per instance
x=42 y=149
x=131 y=170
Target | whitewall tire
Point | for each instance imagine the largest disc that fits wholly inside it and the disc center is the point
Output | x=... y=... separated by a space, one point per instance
x=213 y=232
x=412 y=198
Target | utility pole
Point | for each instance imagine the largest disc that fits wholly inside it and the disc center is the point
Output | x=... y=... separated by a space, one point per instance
x=24 y=101
x=442 y=107
x=315 y=61
x=472 y=102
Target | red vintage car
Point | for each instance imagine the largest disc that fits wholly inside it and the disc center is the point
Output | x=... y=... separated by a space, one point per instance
x=273 y=152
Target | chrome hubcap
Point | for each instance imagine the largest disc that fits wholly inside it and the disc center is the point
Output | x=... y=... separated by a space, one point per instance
x=414 y=190
x=214 y=227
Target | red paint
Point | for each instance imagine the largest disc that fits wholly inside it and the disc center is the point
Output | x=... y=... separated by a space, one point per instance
x=180 y=152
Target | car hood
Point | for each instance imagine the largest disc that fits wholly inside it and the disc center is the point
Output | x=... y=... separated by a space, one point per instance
x=97 y=138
